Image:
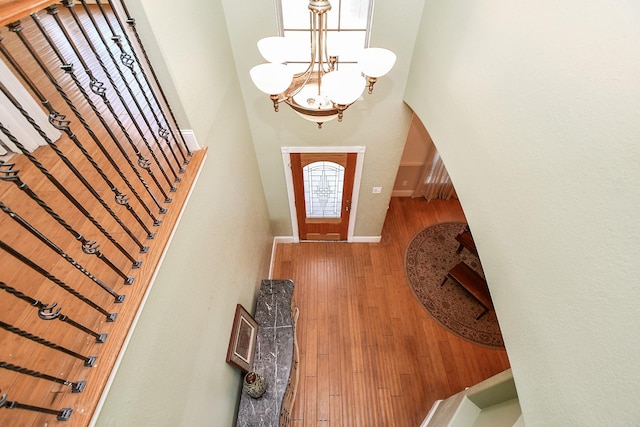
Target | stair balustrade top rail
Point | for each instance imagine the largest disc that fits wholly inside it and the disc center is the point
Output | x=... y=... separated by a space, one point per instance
x=12 y=10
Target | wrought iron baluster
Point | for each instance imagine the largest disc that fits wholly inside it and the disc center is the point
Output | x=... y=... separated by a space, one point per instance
x=111 y=317
x=62 y=415
x=58 y=121
x=76 y=387
x=64 y=191
x=100 y=89
x=129 y=62
x=7 y=173
x=120 y=198
x=49 y=312
x=132 y=24
x=68 y=68
x=31 y=229
x=98 y=31
x=89 y=361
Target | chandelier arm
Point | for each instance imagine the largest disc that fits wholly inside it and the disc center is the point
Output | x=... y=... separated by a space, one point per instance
x=313 y=16
x=298 y=89
x=320 y=37
x=325 y=52
x=307 y=73
x=310 y=67
x=312 y=50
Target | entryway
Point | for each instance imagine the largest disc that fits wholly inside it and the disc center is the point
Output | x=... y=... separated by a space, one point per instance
x=323 y=188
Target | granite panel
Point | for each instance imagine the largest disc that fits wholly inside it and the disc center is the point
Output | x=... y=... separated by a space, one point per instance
x=274 y=354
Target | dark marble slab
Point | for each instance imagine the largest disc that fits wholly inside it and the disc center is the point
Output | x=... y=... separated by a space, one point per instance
x=274 y=354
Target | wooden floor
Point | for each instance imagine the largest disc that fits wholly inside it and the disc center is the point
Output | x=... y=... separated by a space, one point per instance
x=370 y=355
x=32 y=355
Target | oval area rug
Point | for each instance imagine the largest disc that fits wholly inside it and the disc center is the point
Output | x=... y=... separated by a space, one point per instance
x=429 y=256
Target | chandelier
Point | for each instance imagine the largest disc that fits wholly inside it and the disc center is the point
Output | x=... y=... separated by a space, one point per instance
x=322 y=92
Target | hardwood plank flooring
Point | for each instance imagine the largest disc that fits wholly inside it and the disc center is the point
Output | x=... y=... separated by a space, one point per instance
x=370 y=354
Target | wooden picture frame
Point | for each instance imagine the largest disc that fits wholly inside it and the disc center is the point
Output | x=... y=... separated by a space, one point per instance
x=242 y=343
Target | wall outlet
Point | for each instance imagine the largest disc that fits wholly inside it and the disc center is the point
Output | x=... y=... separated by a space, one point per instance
x=404 y=183
x=377 y=190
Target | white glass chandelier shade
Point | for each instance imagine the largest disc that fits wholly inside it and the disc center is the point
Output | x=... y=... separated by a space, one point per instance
x=376 y=61
x=274 y=49
x=271 y=79
x=343 y=87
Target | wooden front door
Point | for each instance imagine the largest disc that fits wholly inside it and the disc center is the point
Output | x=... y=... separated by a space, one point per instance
x=323 y=188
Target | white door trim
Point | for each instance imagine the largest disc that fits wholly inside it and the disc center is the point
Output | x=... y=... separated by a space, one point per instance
x=286 y=162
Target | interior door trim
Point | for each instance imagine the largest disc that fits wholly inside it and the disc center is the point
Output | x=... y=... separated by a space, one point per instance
x=359 y=150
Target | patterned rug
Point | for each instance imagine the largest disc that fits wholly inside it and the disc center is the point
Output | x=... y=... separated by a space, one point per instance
x=430 y=255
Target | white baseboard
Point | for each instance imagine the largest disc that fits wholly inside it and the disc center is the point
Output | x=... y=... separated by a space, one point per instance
x=284 y=239
x=276 y=240
x=402 y=193
x=432 y=411
x=366 y=239
x=190 y=139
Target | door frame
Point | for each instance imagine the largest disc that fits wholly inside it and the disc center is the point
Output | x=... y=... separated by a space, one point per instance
x=286 y=162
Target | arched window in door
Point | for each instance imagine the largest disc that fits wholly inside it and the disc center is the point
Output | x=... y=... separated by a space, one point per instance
x=323 y=184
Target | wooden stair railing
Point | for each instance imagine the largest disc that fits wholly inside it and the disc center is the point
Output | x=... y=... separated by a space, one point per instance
x=87 y=217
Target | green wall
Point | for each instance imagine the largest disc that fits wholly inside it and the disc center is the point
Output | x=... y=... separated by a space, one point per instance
x=173 y=371
x=534 y=108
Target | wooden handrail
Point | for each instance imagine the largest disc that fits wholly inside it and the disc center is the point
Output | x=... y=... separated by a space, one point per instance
x=13 y=10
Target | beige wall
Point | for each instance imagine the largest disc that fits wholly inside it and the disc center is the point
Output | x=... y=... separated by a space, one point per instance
x=534 y=108
x=174 y=372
